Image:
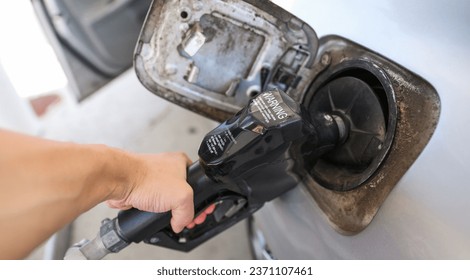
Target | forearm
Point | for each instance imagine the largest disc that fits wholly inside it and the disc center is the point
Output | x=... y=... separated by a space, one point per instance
x=46 y=184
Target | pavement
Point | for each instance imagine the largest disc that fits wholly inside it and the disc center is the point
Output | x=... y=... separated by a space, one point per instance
x=125 y=115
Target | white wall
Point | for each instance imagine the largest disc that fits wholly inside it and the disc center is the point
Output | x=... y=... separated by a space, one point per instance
x=15 y=113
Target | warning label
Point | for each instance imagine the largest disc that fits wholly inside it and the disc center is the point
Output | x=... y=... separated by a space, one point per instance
x=271 y=107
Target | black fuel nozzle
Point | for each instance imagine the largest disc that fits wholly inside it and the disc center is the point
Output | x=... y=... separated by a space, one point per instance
x=329 y=131
x=243 y=163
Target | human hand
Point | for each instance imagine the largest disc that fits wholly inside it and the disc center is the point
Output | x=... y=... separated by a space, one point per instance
x=159 y=185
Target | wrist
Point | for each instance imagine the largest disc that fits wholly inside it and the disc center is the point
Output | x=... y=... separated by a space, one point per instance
x=122 y=172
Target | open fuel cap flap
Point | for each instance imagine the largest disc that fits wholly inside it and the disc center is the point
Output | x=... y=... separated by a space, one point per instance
x=212 y=56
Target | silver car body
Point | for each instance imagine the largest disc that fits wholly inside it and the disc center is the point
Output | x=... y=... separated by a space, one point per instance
x=427 y=215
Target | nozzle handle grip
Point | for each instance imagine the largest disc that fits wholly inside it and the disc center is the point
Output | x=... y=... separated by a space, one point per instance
x=134 y=225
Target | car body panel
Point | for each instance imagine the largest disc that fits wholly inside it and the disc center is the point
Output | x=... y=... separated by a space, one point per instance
x=426 y=216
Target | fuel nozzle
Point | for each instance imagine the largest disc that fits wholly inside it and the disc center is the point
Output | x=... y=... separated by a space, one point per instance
x=263 y=132
x=327 y=131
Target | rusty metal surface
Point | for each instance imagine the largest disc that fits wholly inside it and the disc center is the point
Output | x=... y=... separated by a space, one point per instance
x=418 y=108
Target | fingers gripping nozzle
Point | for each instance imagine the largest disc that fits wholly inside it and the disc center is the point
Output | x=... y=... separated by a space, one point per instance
x=243 y=163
